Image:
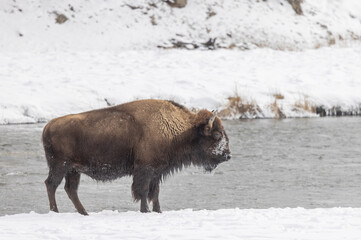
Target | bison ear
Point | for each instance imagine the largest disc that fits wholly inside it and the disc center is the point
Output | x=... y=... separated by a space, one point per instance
x=207 y=129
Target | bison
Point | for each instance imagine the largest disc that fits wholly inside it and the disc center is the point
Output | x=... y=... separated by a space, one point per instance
x=146 y=139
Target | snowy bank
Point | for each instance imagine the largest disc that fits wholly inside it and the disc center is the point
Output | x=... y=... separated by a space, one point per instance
x=297 y=223
x=108 y=53
x=39 y=86
x=147 y=24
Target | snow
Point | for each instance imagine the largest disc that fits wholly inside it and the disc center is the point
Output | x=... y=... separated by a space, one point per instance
x=109 y=52
x=147 y=24
x=39 y=86
x=274 y=223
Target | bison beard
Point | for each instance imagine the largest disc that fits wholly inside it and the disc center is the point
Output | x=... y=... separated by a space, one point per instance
x=147 y=139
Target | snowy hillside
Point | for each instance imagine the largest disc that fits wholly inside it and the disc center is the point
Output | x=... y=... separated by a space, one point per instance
x=61 y=57
x=114 y=25
x=287 y=224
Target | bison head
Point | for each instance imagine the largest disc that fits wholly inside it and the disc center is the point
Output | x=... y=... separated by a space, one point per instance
x=213 y=143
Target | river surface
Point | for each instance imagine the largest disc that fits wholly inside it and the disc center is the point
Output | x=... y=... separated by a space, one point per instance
x=307 y=163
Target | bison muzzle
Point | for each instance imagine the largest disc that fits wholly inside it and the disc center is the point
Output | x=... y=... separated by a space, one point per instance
x=146 y=139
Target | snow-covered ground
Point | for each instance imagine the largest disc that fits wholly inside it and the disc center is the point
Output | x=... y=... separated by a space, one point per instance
x=38 y=87
x=110 y=51
x=252 y=224
x=114 y=25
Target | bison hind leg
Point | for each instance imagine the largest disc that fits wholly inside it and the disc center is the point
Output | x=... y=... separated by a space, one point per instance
x=55 y=177
x=72 y=180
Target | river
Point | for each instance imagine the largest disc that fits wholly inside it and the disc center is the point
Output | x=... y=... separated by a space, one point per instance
x=310 y=163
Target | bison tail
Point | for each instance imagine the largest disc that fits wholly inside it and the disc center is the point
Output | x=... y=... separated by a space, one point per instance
x=48 y=148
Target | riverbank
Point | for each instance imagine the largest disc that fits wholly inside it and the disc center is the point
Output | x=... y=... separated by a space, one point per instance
x=262 y=83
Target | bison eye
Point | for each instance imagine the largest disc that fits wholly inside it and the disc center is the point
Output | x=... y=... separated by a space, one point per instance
x=217 y=135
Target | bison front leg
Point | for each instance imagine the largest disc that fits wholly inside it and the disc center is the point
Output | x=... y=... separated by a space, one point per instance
x=153 y=195
x=140 y=187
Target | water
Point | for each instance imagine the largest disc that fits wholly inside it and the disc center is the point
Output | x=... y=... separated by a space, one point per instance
x=289 y=163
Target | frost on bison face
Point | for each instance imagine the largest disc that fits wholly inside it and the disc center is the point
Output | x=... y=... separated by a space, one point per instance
x=146 y=139
x=215 y=145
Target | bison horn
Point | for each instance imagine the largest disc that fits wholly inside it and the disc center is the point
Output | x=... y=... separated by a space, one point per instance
x=211 y=120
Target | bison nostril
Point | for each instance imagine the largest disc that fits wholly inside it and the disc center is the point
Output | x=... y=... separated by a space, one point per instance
x=229 y=157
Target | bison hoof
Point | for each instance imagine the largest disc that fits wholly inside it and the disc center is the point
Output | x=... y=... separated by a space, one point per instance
x=157 y=209
x=144 y=211
x=54 y=209
x=84 y=213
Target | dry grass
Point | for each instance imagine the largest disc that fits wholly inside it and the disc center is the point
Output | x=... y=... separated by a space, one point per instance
x=238 y=107
x=305 y=104
x=278 y=96
x=277 y=110
x=275 y=107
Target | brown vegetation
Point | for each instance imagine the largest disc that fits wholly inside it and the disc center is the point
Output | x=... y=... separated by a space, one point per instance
x=238 y=107
x=305 y=105
x=278 y=96
x=275 y=107
x=277 y=110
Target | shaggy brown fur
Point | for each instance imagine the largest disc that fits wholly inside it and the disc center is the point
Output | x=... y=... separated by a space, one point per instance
x=147 y=139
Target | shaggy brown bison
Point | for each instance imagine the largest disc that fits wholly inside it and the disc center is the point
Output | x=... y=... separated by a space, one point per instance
x=147 y=139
